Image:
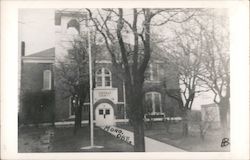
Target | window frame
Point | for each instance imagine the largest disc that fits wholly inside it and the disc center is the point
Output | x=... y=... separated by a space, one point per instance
x=150 y=72
x=103 y=76
x=153 y=101
x=47 y=80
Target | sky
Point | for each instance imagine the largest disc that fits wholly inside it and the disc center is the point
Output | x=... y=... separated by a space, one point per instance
x=36 y=29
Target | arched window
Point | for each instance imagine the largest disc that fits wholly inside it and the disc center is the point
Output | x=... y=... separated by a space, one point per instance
x=73 y=26
x=103 y=78
x=153 y=102
x=47 y=80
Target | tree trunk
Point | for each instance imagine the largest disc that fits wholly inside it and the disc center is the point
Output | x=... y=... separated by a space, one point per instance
x=224 y=108
x=185 y=129
x=78 y=118
x=139 y=137
x=136 y=115
x=137 y=120
x=185 y=124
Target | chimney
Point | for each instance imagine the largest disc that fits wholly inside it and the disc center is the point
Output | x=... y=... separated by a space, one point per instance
x=22 y=48
x=58 y=16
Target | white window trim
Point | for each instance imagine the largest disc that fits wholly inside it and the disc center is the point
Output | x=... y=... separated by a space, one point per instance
x=103 y=78
x=50 y=79
x=153 y=101
x=151 y=73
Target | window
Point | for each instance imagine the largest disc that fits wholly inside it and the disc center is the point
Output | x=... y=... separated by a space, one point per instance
x=103 y=78
x=73 y=27
x=107 y=112
x=100 y=111
x=153 y=102
x=46 y=80
x=153 y=72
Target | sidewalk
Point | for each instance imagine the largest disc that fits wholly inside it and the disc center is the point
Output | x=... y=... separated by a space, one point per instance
x=151 y=145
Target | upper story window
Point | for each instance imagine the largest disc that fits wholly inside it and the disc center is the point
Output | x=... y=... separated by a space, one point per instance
x=153 y=72
x=46 y=80
x=73 y=26
x=153 y=102
x=103 y=78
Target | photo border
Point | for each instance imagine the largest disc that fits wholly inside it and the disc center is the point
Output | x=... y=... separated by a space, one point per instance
x=239 y=67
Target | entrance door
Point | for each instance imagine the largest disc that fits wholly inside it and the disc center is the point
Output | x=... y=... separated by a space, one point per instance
x=104 y=115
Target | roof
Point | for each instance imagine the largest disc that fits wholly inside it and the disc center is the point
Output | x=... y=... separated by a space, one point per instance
x=45 y=53
x=45 y=56
x=100 y=52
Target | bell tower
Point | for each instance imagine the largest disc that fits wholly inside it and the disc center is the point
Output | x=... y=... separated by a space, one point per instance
x=69 y=25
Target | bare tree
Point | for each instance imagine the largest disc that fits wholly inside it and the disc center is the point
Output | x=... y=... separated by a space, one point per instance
x=216 y=61
x=72 y=77
x=200 y=52
x=115 y=25
x=185 y=52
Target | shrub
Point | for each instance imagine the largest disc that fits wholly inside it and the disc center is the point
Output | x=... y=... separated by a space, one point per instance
x=37 y=107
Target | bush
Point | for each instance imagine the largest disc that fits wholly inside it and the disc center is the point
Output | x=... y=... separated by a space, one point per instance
x=37 y=107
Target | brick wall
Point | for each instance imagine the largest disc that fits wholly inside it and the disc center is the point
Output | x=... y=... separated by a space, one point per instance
x=32 y=91
x=168 y=104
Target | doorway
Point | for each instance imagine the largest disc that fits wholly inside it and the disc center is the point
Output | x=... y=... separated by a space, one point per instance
x=104 y=115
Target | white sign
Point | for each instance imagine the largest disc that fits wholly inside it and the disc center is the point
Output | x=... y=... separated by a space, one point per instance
x=109 y=93
x=119 y=133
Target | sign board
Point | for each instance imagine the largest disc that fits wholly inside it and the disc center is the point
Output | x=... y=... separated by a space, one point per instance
x=105 y=93
x=120 y=134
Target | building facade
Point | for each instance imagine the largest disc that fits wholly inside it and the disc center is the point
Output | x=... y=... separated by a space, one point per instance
x=39 y=73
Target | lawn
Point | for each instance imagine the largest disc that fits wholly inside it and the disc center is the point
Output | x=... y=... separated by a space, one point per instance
x=192 y=143
x=29 y=139
x=64 y=140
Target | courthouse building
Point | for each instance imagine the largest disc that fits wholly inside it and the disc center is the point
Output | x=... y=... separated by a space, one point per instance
x=38 y=75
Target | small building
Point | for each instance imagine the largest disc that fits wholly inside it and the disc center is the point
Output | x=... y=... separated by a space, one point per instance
x=210 y=114
x=39 y=75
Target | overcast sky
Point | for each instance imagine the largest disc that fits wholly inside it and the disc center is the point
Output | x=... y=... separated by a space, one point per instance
x=36 y=28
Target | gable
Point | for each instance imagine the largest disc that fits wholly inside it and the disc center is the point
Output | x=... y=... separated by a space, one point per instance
x=45 y=56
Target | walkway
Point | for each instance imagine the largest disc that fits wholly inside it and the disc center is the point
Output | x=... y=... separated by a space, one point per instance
x=150 y=144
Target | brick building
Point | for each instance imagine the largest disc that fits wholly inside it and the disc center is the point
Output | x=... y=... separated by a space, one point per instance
x=38 y=75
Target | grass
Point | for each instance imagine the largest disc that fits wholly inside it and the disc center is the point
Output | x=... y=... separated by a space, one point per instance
x=65 y=141
x=29 y=139
x=192 y=143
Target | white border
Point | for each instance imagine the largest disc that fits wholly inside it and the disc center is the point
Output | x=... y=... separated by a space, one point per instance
x=239 y=11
